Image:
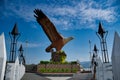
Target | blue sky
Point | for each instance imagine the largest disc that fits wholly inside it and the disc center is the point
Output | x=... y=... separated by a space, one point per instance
x=77 y=18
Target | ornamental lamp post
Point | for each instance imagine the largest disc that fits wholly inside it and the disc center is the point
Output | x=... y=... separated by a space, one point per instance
x=102 y=34
x=21 y=56
x=14 y=35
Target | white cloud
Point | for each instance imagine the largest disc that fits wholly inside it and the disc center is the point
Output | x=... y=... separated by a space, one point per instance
x=24 y=12
x=83 y=13
x=79 y=13
x=19 y=10
x=30 y=44
x=101 y=14
x=61 y=22
x=65 y=11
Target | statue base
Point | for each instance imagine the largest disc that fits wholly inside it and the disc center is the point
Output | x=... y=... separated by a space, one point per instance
x=58 y=56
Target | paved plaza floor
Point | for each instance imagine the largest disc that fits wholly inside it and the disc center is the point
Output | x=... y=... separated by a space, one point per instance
x=77 y=76
x=33 y=76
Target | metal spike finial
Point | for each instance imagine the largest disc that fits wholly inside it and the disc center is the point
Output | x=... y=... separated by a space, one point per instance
x=15 y=30
x=95 y=48
x=93 y=56
x=21 y=48
x=101 y=30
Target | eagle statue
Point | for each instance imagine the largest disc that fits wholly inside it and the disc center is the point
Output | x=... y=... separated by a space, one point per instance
x=57 y=40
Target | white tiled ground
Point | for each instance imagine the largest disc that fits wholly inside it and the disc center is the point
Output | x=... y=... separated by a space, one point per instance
x=58 y=78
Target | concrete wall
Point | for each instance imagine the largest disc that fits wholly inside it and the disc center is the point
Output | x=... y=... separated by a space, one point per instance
x=103 y=70
x=14 y=71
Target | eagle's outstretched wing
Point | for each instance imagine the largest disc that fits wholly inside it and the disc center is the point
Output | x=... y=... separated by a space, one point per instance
x=47 y=26
x=57 y=40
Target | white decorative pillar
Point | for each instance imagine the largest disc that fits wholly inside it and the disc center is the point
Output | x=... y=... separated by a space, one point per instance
x=2 y=56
